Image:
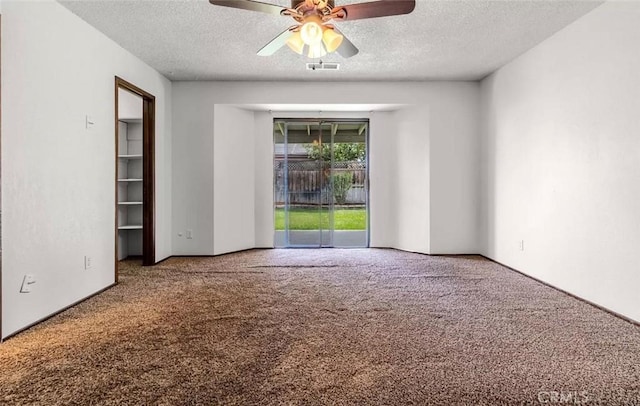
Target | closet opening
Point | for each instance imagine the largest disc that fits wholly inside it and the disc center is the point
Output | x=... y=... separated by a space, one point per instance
x=135 y=173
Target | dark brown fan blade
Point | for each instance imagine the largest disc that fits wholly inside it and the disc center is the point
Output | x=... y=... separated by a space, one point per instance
x=275 y=44
x=249 y=5
x=373 y=9
x=346 y=49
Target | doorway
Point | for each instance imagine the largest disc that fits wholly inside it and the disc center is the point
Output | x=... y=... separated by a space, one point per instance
x=135 y=173
x=321 y=183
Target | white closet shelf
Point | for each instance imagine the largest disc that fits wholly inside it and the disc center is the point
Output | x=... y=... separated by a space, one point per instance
x=129 y=180
x=130 y=227
x=130 y=203
x=130 y=120
x=130 y=156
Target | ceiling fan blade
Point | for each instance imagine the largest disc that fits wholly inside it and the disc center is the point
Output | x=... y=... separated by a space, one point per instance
x=373 y=9
x=346 y=49
x=275 y=44
x=249 y=5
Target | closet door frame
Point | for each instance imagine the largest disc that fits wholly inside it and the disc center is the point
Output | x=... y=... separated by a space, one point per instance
x=0 y=177
x=148 y=172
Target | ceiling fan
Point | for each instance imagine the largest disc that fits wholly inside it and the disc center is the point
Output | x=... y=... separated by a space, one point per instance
x=314 y=35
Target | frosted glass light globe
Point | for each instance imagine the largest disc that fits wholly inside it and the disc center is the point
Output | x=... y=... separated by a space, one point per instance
x=311 y=32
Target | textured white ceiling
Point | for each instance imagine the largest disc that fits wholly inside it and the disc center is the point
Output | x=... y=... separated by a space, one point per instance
x=440 y=40
x=320 y=108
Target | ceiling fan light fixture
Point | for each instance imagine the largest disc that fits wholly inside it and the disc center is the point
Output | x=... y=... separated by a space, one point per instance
x=332 y=40
x=317 y=51
x=296 y=43
x=312 y=30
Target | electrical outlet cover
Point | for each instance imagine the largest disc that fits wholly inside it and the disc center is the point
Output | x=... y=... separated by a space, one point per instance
x=26 y=283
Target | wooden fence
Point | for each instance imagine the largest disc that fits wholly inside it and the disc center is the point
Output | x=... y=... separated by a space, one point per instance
x=308 y=184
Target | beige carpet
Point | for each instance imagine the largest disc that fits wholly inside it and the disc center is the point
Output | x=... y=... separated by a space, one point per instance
x=325 y=327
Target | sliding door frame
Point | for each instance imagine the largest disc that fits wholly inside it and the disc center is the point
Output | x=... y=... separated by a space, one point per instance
x=320 y=121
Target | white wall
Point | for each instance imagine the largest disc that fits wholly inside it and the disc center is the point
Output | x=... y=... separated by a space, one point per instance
x=233 y=180
x=192 y=173
x=561 y=167
x=263 y=179
x=58 y=177
x=130 y=105
x=453 y=114
x=383 y=175
x=455 y=178
x=412 y=182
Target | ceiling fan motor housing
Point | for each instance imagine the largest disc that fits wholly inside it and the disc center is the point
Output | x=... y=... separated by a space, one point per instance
x=322 y=4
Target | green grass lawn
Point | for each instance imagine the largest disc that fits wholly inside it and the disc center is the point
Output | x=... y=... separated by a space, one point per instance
x=311 y=219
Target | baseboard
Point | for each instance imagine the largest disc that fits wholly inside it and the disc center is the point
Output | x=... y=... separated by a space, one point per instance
x=212 y=255
x=55 y=313
x=596 y=305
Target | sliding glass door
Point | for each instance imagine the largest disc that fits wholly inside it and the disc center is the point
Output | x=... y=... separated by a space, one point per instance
x=320 y=183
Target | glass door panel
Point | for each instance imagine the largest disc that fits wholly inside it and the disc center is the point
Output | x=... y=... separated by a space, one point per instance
x=304 y=184
x=350 y=184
